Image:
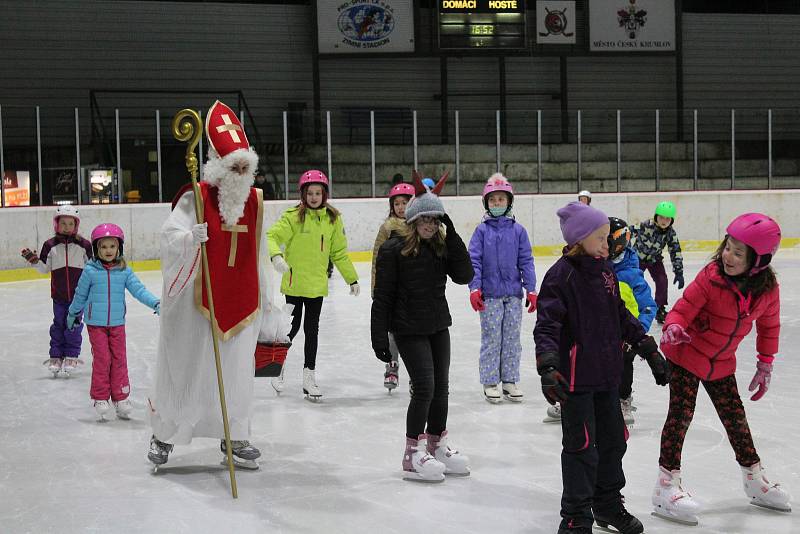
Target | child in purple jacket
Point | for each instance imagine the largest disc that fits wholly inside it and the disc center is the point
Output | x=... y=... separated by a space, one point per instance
x=63 y=256
x=501 y=258
x=581 y=325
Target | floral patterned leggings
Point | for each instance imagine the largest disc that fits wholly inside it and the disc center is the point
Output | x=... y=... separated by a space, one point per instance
x=724 y=395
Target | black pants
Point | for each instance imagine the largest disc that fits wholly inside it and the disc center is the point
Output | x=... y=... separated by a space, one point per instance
x=626 y=386
x=427 y=361
x=310 y=325
x=591 y=458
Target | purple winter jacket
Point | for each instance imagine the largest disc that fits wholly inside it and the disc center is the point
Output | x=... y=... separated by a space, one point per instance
x=582 y=318
x=501 y=258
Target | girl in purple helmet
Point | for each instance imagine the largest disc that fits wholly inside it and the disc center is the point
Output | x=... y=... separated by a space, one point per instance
x=399 y=195
x=504 y=276
x=101 y=295
x=701 y=335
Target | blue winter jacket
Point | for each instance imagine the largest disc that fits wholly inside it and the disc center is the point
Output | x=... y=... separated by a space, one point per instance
x=634 y=290
x=501 y=258
x=101 y=294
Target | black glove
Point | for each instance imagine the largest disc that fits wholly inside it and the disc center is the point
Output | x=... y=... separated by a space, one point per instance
x=648 y=349
x=383 y=355
x=678 y=280
x=554 y=385
x=448 y=224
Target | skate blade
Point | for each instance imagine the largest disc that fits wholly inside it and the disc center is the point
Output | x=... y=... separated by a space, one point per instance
x=770 y=507
x=313 y=398
x=512 y=399
x=457 y=475
x=248 y=465
x=124 y=417
x=551 y=420
x=690 y=522
x=414 y=477
x=492 y=401
x=102 y=419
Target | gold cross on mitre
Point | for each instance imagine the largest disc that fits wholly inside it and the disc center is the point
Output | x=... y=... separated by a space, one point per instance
x=230 y=128
x=235 y=229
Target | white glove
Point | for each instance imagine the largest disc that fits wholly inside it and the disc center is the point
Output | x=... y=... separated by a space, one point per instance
x=280 y=264
x=355 y=289
x=199 y=234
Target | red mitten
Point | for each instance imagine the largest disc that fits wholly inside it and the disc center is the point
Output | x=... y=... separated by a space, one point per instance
x=760 y=380
x=476 y=300
x=532 y=298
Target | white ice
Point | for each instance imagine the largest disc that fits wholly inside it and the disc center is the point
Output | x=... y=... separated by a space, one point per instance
x=334 y=467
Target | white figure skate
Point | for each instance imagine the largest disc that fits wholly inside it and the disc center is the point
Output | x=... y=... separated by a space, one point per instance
x=553 y=414
x=102 y=408
x=124 y=409
x=492 y=393
x=277 y=382
x=310 y=388
x=671 y=501
x=511 y=392
x=243 y=454
x=70 y=366
x=455 y=463
x=390 y=378
x=418 y=465
x=762 y=492
x=53 y=365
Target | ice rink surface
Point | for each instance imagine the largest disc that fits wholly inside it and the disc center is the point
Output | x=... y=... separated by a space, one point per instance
x=334 y=467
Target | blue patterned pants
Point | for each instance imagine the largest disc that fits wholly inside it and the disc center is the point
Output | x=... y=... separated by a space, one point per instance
x=500 y=343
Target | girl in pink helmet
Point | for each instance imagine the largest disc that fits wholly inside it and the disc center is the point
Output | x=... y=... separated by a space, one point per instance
x=399 y=195
x=301 y=243
x=63 y=256
x=504 y=278
x=100 y=296
x=701 y=335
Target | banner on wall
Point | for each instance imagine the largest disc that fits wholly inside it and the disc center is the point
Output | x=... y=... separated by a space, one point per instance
x=632 y=25
x=365 y=26
x=555 y=22
x=17 y=188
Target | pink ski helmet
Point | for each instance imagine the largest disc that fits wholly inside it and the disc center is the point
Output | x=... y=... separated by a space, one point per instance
x=107 y=230
x=759 y=232
x=401 y=189
x=313 y=177
x=497 y=182
x=67 y=210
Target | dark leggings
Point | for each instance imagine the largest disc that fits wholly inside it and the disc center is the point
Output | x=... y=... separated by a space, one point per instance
x=427 y=361
x=724 y=394
x=310 y=325
x=659 y=275
x=626 y=386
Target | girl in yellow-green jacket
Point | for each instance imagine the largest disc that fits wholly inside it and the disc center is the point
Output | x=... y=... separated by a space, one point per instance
x=301 y=243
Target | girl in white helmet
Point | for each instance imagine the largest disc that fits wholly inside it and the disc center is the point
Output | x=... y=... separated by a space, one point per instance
x=63 y=256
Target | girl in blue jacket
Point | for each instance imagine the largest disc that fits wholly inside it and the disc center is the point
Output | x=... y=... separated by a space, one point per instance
x=101 y=294
x=501 y=258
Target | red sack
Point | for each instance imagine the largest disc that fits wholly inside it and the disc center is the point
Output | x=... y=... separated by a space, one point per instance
x=270 y=358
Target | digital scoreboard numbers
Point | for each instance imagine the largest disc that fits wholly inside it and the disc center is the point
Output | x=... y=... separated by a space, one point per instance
x=481 y=24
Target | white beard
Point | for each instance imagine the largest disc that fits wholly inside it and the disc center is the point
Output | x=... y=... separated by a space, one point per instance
x=233 y=188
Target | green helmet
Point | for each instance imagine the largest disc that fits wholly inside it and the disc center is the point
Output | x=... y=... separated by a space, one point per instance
x=666 y=209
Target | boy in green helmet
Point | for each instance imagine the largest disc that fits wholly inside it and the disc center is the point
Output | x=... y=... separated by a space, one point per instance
x=651 y=238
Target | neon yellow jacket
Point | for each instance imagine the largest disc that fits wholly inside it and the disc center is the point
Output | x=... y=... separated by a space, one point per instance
x=307 y=248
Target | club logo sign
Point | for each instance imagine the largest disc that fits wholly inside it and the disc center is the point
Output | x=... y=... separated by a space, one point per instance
x=632 y=25
x=632 y=19
x=555 y=22
x=365 y=24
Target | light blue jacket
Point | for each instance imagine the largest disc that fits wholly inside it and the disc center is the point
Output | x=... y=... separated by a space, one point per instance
x=101 y=294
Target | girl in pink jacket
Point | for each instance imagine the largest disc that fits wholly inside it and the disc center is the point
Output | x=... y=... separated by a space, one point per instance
x=700 y=338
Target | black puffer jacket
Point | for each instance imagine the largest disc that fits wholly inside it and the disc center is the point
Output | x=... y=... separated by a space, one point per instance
x=409 y=296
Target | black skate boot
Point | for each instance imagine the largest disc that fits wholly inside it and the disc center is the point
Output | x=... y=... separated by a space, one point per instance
x=159 y=452
x=661 y=314
x=244 y=455
x=567 y=527
x=622 y=521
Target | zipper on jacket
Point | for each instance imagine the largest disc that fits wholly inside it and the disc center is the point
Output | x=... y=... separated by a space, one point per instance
x=573 y=356
x=66 y=248
x=291 y=273
x=321 y=243
x=727 y=344
x=108 y=275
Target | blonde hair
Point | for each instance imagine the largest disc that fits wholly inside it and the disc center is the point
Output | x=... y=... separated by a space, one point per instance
x=414 y=241
x=575 y=250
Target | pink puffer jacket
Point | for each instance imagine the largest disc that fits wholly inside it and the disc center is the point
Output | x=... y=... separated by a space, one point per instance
x=717 y=317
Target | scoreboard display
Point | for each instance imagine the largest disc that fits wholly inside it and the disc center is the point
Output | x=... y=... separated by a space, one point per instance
x=481 y=24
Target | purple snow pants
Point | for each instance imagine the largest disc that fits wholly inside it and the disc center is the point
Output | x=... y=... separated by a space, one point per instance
x=659 y=275
x=63 y=343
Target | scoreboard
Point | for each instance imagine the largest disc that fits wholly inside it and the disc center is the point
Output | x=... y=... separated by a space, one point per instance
x=481 y=24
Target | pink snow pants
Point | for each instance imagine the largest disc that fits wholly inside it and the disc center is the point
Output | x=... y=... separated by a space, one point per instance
x=109 y=363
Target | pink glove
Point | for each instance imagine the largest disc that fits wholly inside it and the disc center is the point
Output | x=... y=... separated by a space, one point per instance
x=760 y=380
x=532 y=299
x=476 y=300
x=674 y=334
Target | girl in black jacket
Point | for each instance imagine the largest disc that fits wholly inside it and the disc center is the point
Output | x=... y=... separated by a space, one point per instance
x=409 y=301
